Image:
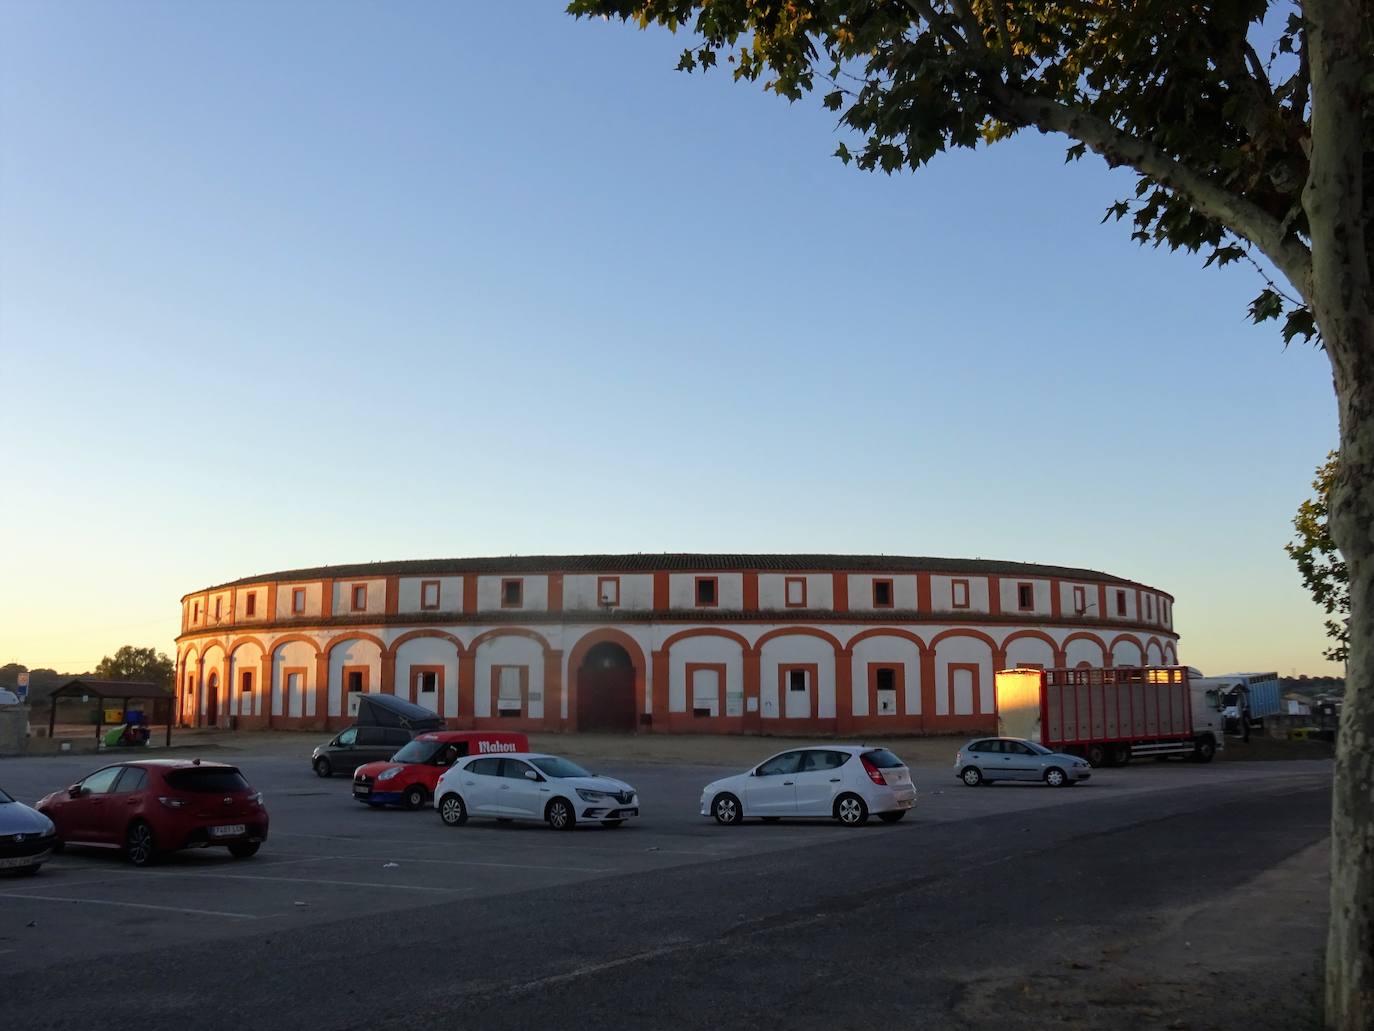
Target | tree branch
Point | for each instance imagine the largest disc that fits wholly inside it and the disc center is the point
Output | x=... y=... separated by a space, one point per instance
x=1242 y=217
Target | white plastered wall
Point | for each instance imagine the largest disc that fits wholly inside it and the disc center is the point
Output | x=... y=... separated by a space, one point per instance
x=430 y=651
x=535 y=595
x=963 y=649
x=376 y=596
x=703 y=649
x=892 y=651
x=1040 y=595
x=314 y=599
x=352 y=651
x=682 y=590
x=861 y=591
x=942 y=594
x=1083 y=649
x=408 y=593
x=247 y=657
x=820 y=590
x=1030 y=651
x=301 y=702
x=636 y=592
x=797 y=649
x=1127 y=652
x=511 y=650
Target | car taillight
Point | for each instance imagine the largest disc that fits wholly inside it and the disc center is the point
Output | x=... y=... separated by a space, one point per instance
x=874 y=774
x=958 y=758
x=171 y=803
x=255 y=798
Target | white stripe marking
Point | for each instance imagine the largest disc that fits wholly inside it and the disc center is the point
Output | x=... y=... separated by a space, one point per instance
x=306 y=882
x=132 y=905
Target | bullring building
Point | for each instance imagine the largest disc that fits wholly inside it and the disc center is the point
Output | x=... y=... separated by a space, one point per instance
x=753 y=644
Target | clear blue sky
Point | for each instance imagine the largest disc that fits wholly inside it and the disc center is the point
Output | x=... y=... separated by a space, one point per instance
x=285 y=285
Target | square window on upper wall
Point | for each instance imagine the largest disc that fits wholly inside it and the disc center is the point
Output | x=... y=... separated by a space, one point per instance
x=1120 y=603
x=1025 y=597
x=298 y=600
x=882 y=594
x=708 y=593
x=608 y=591
x=359 y=597
x=794 y=590
x=958 y=594
x=512 y=593
x=429 y=594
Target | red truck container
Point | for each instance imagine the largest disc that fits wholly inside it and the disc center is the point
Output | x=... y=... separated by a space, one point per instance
x=1109 y=715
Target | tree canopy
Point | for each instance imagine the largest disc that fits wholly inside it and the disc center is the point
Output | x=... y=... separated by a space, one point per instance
x=133 y=663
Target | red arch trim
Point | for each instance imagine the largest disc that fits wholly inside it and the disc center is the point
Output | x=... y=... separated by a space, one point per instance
x=588 y=641
x=887 y=632
x=1126 y=637
x=295 y=637
x=800 y=631
x=506 y=631
x=356 y=635
x=1085 y=635
x=681 y=635
x=1038 y=635
x=965 y=632
x=239 y=642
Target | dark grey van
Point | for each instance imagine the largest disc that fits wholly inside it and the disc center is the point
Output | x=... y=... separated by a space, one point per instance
x=357 y=746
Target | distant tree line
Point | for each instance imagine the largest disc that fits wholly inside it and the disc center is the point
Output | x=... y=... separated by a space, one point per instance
x=128 y=663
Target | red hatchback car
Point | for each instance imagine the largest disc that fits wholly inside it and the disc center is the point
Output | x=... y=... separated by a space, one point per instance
x=160 y=805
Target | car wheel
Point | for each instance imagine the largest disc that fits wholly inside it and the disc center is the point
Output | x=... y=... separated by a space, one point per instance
x=1096 y=756
x=322 y=767
x=1121 y=755
x=452 y=811
x=972 y=776
x=727 y=810
x=560 y=815
x=1204 y=750
x=139 y=847
x=611 y=823
x=850 y=810
x=1055 y=777
x=892 y=817
x=244 y=849
x=414 y=797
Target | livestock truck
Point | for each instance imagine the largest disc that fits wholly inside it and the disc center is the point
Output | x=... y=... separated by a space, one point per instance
x=1246 y=698
x=1109 y=716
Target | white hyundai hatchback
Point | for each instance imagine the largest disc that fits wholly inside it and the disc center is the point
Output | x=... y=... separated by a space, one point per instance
x=845 y=782
x=530 y=786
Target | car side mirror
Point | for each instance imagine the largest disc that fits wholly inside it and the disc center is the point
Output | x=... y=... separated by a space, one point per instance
x=74 y=791
x=532 y=775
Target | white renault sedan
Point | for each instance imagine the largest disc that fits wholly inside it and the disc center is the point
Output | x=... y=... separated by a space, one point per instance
x=846 y=782
x=530 y=786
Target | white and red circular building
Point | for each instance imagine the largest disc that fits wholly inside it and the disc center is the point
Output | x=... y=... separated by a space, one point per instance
x=753 y=644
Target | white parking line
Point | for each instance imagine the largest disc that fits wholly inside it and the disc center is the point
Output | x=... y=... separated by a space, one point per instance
x=403 y=859
x=307 y=882
x=440 y=843
x=132 y=905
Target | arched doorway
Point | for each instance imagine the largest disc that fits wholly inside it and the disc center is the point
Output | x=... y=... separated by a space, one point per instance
x=212 y=701
x=606 y=689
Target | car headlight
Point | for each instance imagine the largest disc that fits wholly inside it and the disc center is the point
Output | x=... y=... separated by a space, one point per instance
x=390 y=772
x=587 y=795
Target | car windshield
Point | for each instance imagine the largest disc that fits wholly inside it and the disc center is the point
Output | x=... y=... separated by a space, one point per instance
x=4 y=797
x=418 y=752
x=207 y=780
x=1037 y=748
x=553 y=766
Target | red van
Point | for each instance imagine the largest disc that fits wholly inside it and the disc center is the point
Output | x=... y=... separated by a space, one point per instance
x=408 y=777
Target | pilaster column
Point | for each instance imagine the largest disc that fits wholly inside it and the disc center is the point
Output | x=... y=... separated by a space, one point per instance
x=553 y=686
x=844 y=690
x=753 y=721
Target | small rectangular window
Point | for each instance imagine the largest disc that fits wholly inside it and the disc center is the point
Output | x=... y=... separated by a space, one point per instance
x=426 y=682
x=195 y=611
x=795 y=589
x=706 y=590
x=1120 y=603
x=958 y=594
x=251 y=607
x=246 y=683
x=885 y=690
x=1080 y=601
x=1025 y=597
x=796 y=680
x=219 y=602
x=1150 y=607
x=882 y=594
x=355 y=681
x=359 y=597
x=608 y=590
x=298 y=600
x=429 y=594
x=512 y=593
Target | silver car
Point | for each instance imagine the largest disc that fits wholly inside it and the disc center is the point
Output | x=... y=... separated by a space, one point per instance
x=27 y=836
x=986 y=759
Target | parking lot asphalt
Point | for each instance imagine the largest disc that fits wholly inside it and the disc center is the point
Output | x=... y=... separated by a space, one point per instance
x=339 y=879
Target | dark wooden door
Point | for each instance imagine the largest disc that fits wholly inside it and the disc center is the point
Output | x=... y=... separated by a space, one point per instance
x=606 y=698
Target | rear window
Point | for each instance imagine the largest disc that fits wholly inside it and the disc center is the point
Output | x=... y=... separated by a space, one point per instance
x=207 y=780
x=883 y=759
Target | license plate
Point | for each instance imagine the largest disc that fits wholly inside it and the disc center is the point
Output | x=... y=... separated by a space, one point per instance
x=228 y=831
x=37 y=857
x=362 y=790
x=620 y=814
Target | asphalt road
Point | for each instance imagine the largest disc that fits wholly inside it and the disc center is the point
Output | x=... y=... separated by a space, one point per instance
x=360 y=918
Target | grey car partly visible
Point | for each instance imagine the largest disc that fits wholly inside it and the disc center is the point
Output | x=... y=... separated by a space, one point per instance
x=986 y=759
x=27 y=837
x=358 y=746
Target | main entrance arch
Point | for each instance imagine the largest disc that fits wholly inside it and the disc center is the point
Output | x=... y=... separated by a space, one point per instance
x=606 y=689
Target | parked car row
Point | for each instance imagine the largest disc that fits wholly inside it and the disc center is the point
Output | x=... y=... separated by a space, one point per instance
x=150 y=807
